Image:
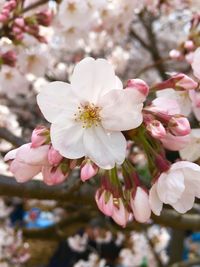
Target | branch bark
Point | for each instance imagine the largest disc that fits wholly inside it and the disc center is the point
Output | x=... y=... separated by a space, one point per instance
x=178 y=221
x=10 y=137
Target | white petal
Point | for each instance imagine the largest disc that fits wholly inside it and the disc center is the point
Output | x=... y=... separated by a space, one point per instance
x=68 y=139
x=93 y=78
x=56 y=98
x=155 y=203
x=185 y=203
x=121 y=110
x=24 y=172
x=33 y=156
x=104 y=148
x=140 y=206
x=170 y=186
x=190 y=152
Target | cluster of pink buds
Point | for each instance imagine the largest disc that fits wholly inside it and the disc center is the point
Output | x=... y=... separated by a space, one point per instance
x=164 y=122
x=18 y=28
x=31 y=26
x=8 y=58
x=8 y=7
x=122 y=205
x=38 y=156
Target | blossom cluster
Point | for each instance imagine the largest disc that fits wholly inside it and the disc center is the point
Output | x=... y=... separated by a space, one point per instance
x=95 y=125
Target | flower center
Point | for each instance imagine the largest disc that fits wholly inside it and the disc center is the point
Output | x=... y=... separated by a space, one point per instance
x=88 y=115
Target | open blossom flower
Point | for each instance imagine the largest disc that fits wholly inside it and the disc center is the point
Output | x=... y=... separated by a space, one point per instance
x=89 y=114
x=12 y=82
x=177 y=187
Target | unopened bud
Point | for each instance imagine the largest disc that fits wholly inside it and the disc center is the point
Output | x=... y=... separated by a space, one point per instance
x=88 y=170
x=138 y=85
x=54 y=156
x=156 y=129
x=40 y=136
x=179 y=126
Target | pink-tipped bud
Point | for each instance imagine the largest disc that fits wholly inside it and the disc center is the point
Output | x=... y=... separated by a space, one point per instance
x=189 y=45
x=10 y=4
x=175 y=54
x=88 y=170
x=44 y=18
x=178 y=81
x=53 y=175
x=156 y=129
x=140 y=205
x=17 y=30
x=185 y=82
x=138 y=85
x=9 y=58
x=19 y=22
x=5 y=12
x=3 y=18
x=54 y=157
x=40 y=136
x=179 y=126
x=105 y=202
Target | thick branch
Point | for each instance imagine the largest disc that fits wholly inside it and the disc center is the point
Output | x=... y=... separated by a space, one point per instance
x=33 y=189
x=10 y=137
x=178 y=221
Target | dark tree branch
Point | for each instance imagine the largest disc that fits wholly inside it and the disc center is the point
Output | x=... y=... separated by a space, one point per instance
x=147 y=21
x=176 y=220
x=35 y=189
x=10 y=137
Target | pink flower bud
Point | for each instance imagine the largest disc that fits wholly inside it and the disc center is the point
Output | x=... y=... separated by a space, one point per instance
x=104 y=200
x=88 y=170
x=54 y=157
x=53 y=175
x=9 y=58
x=44 y=18
x=185 y=82
x=39 y=136
x=189 y=45
x=138 y=85
x=5 y=12
x=140 y=205
x=19 y=36
x=19 y=22
x=156 y=129
x=17 y=30
x=179 y=126
x=120 y=214
x=3 y=18
x=178 y=81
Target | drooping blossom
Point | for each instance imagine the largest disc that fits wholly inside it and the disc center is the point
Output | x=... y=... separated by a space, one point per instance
x=85 y=114
x=177 y=187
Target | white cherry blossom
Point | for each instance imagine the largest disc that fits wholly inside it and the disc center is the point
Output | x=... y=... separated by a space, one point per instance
x=89 y=114
x=177 y=187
